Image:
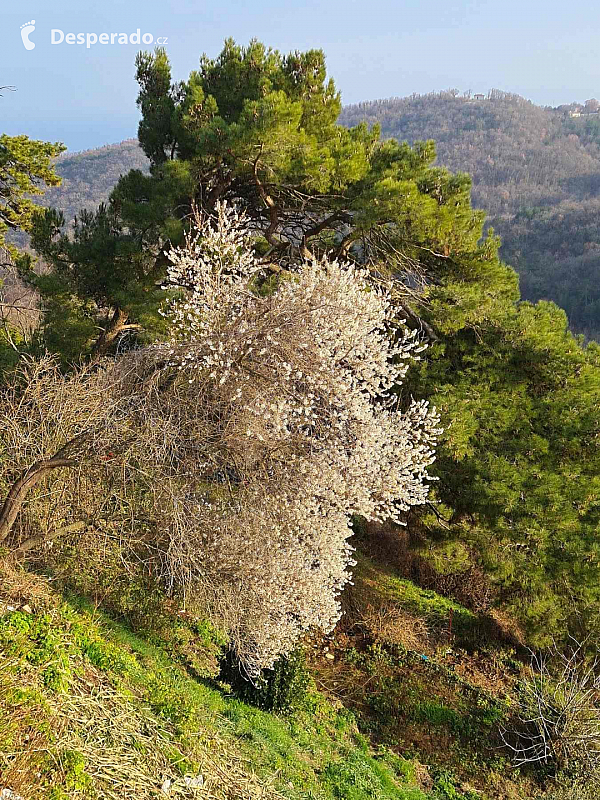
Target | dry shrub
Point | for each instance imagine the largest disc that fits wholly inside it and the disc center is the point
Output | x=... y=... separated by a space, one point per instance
x=19 y=303
x=56 y=434
x=389 y=544
x=392 y=625
x=369 y=613
x=507 y=628
x=557 y=720
x=18 y=586
x=470 y=587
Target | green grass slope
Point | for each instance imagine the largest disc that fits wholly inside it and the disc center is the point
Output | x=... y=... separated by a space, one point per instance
x=92 y=710
x=405 y=704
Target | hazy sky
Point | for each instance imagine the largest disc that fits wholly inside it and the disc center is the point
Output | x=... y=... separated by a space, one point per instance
x=545 y=50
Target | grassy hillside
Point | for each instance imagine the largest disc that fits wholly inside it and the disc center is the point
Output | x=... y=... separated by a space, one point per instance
x=92 y=710
x=536 y=172
x=403 y=705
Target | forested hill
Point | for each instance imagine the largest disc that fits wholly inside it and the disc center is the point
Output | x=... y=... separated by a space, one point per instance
x=536 y=172
x=88 y=177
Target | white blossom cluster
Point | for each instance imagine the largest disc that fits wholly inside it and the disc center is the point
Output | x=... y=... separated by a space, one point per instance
x=280 y=423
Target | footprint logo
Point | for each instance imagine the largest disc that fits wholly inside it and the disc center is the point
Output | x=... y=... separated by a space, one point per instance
x=26 y=29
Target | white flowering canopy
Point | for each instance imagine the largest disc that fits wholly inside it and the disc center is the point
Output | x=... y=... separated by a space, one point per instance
x=275 y=423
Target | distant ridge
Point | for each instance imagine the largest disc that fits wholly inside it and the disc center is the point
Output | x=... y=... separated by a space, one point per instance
x=101 y=148
x=536 y=172
x=89 y=176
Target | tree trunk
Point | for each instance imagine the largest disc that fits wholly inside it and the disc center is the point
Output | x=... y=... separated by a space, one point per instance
x=21 y=488
x=117 y=324
x=41 y=538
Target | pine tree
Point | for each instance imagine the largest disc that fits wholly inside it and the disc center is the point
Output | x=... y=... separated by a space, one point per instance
x=25 y=169
x=519 y=462
x=259 y=130
x=24 y=165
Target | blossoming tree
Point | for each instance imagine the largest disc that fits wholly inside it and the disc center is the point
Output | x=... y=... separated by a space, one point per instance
x=286 y=426
x=241 y=447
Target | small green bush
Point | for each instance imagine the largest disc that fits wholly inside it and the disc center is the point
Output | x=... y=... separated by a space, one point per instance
x=283 y=689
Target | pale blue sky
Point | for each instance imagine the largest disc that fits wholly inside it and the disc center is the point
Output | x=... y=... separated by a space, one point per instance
x=545 y=50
